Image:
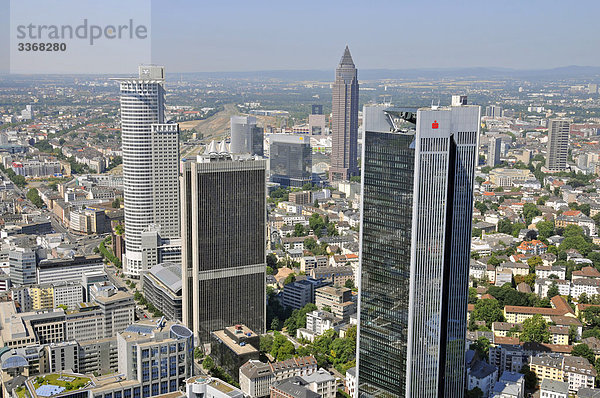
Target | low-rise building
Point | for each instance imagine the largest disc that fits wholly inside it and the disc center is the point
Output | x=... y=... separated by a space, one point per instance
x=234 y=346
x=554 y=389
x=337 y=299
x=256 y=377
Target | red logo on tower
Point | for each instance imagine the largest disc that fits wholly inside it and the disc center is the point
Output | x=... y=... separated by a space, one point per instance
x=435 y=124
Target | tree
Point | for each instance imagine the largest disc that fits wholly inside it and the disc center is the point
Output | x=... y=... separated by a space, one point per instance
x=505 y=226
x=529 y=211
x=34 y=196
x=488 y=310
x=545 y=229
x=530 y=377
x=553 y=289
x=349 y=284
x=208 y=363
x=584 y=351
x=474 y=393
x=533 y=262
x=270 y=271
x=299 y=230
x=289 y=279
x=591 y=316
x=481 y=347
x=266 y=343
x=272 y=260
x=116 y=203
x=481 y=207
x=535 y=329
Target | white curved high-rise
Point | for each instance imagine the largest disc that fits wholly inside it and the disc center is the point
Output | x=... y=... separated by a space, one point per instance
x=150 y=163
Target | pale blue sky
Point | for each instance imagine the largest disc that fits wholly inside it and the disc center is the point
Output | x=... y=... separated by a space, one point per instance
x=193 y=35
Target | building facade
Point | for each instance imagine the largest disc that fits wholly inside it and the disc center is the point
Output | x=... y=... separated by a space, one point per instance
x=246 y=137
x=344 y=123
x=290 y=160
x=415 y=243
x=224 y=234
x=150 y=163
x=558 y=144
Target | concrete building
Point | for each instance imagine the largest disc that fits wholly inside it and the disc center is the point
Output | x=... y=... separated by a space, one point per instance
x=68 y=269
x=256 y=377
x=224 y=230
x=344 y=136
x=246 y=137
x=494 y=151
x=157 y=354
x=338 y=299
x=234 y=346
x=558 y=144
x=22 y=263
x=209 y=387
x=162 y=288
x=150 y=163
x=554 y=389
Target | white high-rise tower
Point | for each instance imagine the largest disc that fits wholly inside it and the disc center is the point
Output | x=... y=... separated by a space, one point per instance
x=150 y=165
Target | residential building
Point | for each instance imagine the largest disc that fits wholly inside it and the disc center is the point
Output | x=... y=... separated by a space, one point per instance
x=344 y=136
x=317 y=322
x=422 y=205
x=294 y=387
x=256 y=377
x=534 y=247
x=480 y=374
x=338 y=276
x=290 y=160
x=554 y=389
x=558 y=144
x=224 y=233
x=507 y=178
x=150 y=163
x=576 y=371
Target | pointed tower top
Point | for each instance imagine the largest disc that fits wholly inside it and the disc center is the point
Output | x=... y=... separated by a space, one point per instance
x=347 y=58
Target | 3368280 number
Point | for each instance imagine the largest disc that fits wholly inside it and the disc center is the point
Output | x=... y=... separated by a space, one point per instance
x=42 y=46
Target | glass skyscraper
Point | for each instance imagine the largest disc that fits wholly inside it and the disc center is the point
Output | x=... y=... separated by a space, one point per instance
x=415 y=243
x=290 y=159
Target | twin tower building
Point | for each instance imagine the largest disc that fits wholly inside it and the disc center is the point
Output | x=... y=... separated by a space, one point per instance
x=417 y=175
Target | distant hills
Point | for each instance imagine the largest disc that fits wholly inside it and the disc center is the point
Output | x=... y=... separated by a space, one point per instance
x=562 y=73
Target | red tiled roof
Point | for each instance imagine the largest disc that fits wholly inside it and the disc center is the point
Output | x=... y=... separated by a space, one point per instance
x=571 y=213
x=590 y=272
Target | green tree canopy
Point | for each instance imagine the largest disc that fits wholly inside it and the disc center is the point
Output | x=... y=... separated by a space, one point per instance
x=488 y=310
x=535 y=329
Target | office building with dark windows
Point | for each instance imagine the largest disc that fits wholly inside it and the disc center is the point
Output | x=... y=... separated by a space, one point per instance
x=344 y=122
x=418 y=171
x=162 y=287
x=224 y=233
x=290 y=160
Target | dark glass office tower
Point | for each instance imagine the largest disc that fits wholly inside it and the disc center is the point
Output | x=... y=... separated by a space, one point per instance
x=415 y=243
x=344 y=122
x=224 y=239
x=290 y=160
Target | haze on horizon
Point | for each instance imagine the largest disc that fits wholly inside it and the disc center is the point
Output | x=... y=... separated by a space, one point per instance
x=240 y=36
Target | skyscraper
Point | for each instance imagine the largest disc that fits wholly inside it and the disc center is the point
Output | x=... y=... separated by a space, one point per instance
x=415 y=243
x=558 y=144
x=344 y=139
x=290 y=160
x=246 y=137
x=223 y=206
x=494 y=150
x=150 y=163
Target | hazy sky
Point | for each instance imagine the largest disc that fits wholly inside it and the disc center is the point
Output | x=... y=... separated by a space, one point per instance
x=213 y=35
